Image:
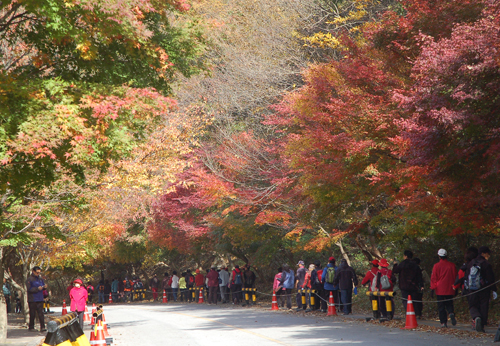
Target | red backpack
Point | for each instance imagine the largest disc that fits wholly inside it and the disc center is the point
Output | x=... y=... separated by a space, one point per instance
x=319 y=274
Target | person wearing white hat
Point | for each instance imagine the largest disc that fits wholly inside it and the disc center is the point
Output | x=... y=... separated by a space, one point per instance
x=442 y=280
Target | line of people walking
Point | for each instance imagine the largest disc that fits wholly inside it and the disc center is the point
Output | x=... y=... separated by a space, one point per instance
x=475 y=279
x=217 y=285
x=341 y=281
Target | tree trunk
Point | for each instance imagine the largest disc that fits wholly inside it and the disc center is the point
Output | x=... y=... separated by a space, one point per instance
x=3 y=320
x=364 y=249
x=463 y=242
x=24 y=298
x=342 y=251
x=3 y=306
x=373 y=243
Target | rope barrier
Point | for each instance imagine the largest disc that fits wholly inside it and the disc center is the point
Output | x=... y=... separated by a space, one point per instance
x=254 y=291
x=454 y=298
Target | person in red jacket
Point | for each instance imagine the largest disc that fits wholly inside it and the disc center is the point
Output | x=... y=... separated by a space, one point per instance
x=371 y=279
x=442 y=280
x=199 y=282
x=307 y=286
x=213 y=285
x=385 y=276
x=236 y=280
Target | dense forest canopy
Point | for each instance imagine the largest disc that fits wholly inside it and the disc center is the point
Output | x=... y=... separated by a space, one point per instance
x=139 y=134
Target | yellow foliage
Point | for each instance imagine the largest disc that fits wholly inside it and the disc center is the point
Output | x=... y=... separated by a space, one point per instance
x=348 y=17
x=87 y=51
x=322 y=40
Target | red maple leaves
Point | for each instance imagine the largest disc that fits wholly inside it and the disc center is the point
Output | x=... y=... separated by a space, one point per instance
x=403 y=130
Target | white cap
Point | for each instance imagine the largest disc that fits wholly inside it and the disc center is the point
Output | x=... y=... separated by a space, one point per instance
x=442 y=253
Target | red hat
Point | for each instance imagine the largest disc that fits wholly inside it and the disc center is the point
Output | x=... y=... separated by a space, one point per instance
x=197 y=271
x=78 y=281
x=331 y=259
x=383 y=263
x=375 y=262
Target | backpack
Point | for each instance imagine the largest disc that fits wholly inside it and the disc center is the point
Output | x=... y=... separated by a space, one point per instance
x=374 y=285
x=319 y=275
x=170 y=281
x=330 y=275
x=473 y=281
x=127 y=284
x=385 y=282
x=101 y=288
x=315 y=278
x=191 y=279
x=237 y=279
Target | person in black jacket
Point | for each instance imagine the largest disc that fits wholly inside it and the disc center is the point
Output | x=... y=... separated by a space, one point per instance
x=248 y=282
x=317 y=285
x=346 y=278
x=189 y=285
x=479 y=301
x=410 y=279
x=418 y=304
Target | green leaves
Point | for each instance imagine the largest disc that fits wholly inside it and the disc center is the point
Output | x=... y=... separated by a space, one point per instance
x=77 y=93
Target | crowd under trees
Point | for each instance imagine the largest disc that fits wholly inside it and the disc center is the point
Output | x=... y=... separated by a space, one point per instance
x=147 y=134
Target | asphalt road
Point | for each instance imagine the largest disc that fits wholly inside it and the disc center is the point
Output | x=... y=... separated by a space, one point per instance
x=205 y=325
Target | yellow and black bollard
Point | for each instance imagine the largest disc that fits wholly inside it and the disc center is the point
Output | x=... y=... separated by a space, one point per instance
x=388 y=307
x=254 y=296
x=375 y=306
x=304 y=305
x=65 y=331
x=387 y=296
x=76 y=335
x=311 y=299
x=247 y=296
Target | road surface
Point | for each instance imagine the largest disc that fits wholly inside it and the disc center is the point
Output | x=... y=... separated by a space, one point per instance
x=206 y=325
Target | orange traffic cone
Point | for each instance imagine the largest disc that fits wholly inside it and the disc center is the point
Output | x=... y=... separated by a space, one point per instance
x=200 y=298
x=64 y=309
x=110 y=301
x=105 y=327
x=86 y=317
x=99 y=340
x=92 y=336
x=274 y=305
x=331 y=306
x=411 y=319
x=165 y=300
x=92 y=321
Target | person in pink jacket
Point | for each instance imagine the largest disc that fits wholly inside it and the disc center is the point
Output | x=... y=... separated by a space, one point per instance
x=78 y=296
x=278 y=288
